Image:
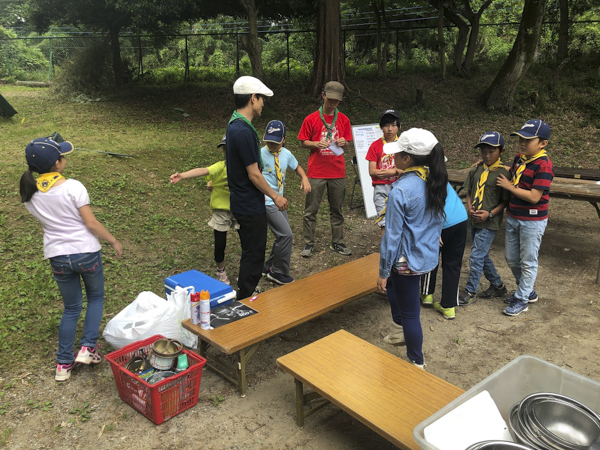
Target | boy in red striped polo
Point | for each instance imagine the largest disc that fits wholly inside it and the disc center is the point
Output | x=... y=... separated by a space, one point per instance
x=531 y=175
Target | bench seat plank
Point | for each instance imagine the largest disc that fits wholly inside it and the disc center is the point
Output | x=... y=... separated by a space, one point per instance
x=387 y=394
x=287 y=306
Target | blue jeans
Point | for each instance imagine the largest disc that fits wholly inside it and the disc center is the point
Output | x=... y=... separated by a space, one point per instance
x=403 y=295
x=522 y=244
x=67 y=271
x=479 y=259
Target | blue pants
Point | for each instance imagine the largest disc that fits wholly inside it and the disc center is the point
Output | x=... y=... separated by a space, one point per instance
x=68 y=271
x=479 y=259
x=403 y=295
x=521 y=247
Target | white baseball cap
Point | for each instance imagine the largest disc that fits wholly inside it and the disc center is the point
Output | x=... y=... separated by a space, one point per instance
x=415 y=141
x=251 y=85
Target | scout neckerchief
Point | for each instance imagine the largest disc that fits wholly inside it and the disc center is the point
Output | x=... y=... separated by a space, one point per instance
x=478 y=200
x=237 y=115
x=277 y=169
x=46 y=180
x=388 y=158
x=329 y=127
x=523 y=163
x=421 y=171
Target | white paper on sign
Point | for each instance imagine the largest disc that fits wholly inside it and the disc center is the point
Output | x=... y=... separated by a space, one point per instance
x=336 y=149
x=477 y=419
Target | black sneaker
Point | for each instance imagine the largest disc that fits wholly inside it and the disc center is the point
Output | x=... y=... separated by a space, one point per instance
x=494 y=291
x=279 y=278
x=466 y=298
x=308 y=249
x=533 y=297
x=341 y=249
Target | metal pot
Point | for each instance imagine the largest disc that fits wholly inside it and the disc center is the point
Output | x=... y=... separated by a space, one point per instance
x=164 y=352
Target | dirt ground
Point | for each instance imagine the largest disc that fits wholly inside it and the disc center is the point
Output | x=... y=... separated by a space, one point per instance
x=561 y=328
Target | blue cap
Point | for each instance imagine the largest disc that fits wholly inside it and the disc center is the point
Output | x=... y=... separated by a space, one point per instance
x=492 y=138
x=42 y=153
x=223 y=142
x=534 y=128
x=275 y=132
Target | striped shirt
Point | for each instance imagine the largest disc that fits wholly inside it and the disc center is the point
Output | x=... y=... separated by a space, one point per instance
x=538 y=174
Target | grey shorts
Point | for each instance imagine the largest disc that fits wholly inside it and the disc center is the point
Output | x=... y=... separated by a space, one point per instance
x=223 y=220
x=380 y=194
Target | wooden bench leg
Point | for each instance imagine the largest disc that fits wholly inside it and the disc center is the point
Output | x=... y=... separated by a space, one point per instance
x=312 y=399
x=234 y=373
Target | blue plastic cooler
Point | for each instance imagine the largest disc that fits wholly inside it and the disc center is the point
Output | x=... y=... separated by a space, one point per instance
x=220 y=293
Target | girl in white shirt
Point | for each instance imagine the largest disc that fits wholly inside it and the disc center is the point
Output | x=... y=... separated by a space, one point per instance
x=71 y=244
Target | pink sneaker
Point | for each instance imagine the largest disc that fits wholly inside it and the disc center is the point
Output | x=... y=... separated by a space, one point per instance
x=88 y=355
x=63 y=371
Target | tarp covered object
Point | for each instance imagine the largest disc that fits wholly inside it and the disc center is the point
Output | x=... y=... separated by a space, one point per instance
x=6 y=110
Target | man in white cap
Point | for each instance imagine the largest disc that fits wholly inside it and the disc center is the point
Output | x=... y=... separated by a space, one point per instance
x=247 y=186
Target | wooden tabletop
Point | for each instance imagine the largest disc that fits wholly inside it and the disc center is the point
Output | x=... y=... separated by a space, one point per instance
x=570 y=188
x=284 y=307
x=389 y=395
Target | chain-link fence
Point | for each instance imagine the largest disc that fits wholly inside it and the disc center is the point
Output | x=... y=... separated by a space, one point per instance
x=288 y=51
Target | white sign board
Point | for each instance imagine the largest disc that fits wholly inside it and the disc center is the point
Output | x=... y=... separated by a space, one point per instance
x=364 y=136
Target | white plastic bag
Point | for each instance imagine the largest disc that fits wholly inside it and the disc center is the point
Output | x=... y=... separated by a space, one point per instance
x=180 y=298
x=146 y=316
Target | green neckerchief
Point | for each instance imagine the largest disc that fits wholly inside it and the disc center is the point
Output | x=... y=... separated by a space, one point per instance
x=329 y=127
x=237 y=115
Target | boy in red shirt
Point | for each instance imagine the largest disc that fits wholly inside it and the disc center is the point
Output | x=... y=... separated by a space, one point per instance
x=382 y=167
x=326 y=133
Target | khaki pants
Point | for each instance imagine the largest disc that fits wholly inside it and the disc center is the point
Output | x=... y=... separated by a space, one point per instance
x=336 y=191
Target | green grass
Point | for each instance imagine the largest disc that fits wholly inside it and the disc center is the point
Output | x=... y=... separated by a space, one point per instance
x=163 y=227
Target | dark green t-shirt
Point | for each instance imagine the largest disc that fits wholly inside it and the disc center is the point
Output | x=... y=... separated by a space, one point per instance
x=492 y=195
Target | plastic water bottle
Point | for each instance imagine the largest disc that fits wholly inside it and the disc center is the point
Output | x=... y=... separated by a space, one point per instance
x=205 y=310
x=195 y=308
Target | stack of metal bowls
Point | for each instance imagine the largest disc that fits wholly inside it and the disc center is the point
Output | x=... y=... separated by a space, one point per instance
x=497 y=445
x=552 y=421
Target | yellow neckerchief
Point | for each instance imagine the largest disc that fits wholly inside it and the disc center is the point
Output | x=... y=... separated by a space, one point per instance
x=523 y=163
x=389 y=158
x=478 y=200
x=46 y=180
x=421 y=171
x=277 y=169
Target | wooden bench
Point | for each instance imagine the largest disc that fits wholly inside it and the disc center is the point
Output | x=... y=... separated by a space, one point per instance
x=283 y=308
x=387 y=394
x=580 y=189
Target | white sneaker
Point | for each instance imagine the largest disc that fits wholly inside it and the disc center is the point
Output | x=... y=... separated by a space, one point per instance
x=63 y=372
x=396 y=337
x=88 y=355
x=222 y=276
x=420 y=366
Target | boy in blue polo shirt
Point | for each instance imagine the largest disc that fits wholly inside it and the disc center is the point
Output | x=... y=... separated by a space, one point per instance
x=529 y=186
x=276 y=159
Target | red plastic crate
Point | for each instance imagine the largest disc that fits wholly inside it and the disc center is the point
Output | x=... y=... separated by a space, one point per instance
x=165 y=399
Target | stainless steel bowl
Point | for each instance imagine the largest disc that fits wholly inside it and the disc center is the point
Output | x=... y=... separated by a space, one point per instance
x=497 y=445
x=566 y=421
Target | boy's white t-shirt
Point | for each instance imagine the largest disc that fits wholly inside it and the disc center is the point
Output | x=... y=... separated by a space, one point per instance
x=57 y=210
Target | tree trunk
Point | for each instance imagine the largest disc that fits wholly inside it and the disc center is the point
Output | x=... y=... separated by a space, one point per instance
x=500 y=94
x=386 y=40
x=380 y=69
x=329 y=51
x=117 y=62
x=463 y=33
x=563 y=32
x=441 y=41
x=472 y=47
x=250 y=41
